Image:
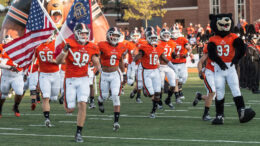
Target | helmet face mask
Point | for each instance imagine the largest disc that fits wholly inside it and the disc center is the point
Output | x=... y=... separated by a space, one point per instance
x=135 y=36
x=82 y=33
x=114 y=36
x=152 y=38
x=165 y=35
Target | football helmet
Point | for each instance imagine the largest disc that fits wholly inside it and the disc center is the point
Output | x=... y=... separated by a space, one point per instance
x=82 y=33
x=114 y=36
x=7 y=39
x=135 y=35
x=148 y=29
x=165 y=35
x=152 y=38
x=175 y=33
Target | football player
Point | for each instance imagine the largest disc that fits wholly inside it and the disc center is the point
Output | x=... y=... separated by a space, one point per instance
x=91 y=72
x=150 y=54
x=62 y=76
x=76 y=90
x=206 y=74
x=12 y=77
x=112 y=53
x=181 y=52
x=165 y=70
x=49 y=77
x=132 y=51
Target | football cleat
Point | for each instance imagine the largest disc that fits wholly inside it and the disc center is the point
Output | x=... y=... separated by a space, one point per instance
x=152 y=115
x=206 y=117
x=116 y=126
x=16 y=112
x=138 y=100
x=47 y=123
x=178 y=100
x=132 y=95
x=78 y=138
x=219 y=120
x=159 y=106
x=169 y=103
x=181 y=96
x=92 y=104
x=246 y=114
x=33 y=106
x=101 y=107
x=196 y=100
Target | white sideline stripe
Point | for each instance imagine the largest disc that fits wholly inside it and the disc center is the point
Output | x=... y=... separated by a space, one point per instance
x=129 y=116
x=11 y=128
x=139 y=138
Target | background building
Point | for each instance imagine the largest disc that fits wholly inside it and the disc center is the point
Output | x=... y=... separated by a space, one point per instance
x=194 y=11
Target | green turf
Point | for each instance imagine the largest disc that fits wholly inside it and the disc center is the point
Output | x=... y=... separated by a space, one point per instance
x=182 y=126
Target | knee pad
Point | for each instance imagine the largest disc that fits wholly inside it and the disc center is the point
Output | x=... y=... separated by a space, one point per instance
x=157 y=95
x=116 y=100
x=33 y=92
x=54 y=98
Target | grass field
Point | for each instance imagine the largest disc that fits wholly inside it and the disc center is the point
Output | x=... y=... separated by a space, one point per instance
x=182 y=126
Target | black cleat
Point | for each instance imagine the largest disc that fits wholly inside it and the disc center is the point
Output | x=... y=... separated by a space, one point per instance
x=246 y=114
x=61 y=99
x=197 y=99
x=206 y=117
x=169 y=103
x=132 y=95
x=219 y=120
x=101 y=107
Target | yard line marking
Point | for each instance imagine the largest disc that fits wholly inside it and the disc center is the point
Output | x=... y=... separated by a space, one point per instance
x=70 y=122
x=176 y=110
x=139 y=138
x=1 y=128
x=254 y=101
x=128 y=116
x=104 y=119
x=40 y=125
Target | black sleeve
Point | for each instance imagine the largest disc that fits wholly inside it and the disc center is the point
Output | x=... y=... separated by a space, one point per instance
x=240 y=49
x=212 y=53
x=141 y=52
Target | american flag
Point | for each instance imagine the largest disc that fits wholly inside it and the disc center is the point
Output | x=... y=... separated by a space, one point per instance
x=80 y=12
x=38 y=30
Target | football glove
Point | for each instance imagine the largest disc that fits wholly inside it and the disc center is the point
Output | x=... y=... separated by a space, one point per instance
x=67 y=47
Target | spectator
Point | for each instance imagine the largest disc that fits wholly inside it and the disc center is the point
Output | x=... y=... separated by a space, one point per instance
x=190 y=31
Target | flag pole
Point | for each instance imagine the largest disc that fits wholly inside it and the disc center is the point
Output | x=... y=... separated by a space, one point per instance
x=49 y=18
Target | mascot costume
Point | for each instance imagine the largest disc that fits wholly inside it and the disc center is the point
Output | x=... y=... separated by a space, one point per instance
x=226 y=49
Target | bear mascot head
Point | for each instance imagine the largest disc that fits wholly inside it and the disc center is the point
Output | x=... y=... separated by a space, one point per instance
x=221 y=24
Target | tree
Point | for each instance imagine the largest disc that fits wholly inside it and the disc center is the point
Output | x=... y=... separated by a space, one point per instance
x=143 y=9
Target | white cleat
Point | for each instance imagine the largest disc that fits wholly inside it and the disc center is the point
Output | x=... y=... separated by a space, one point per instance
x=116 y=126
x=178 y=101
x=152 y=115
x=78 y=138
x=48 y=123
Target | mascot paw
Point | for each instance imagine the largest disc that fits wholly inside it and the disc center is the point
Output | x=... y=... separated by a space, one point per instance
x=223 y=66
x=246 y=114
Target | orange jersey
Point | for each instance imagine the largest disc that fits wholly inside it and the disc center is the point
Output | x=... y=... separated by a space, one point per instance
x=209 y=62
x=132 y=51
x=225 y=49
x=5 y=58
x=35 y=66
x=44 y=53
x=168 y=48
x=180 y=50
x=110 y=56
x=150 y=59
x=77 y=65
